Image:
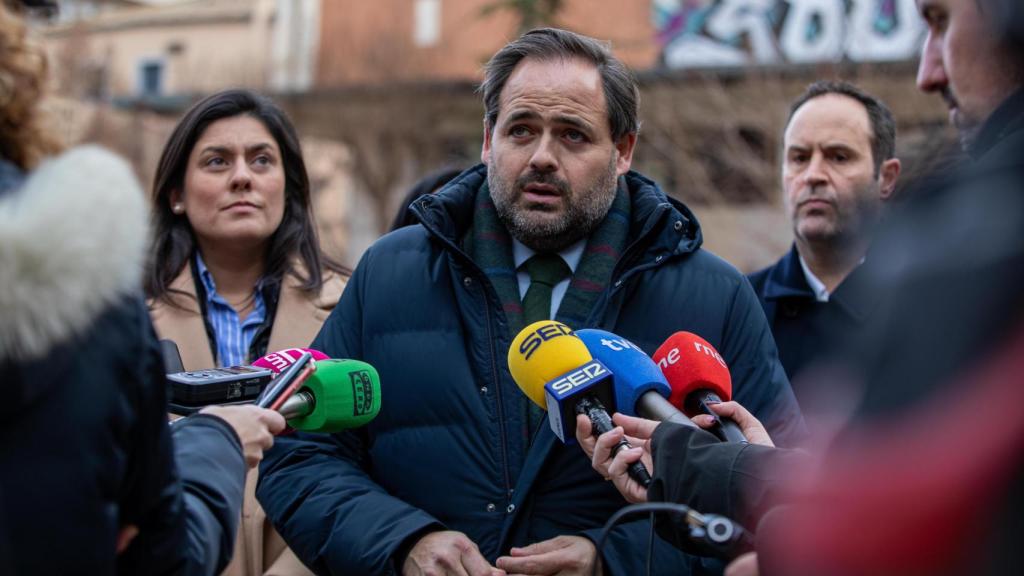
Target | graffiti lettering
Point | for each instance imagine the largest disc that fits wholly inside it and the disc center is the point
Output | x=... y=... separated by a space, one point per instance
x=701 y=33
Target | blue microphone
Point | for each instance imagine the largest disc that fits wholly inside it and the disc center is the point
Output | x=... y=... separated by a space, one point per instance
x=640 y=386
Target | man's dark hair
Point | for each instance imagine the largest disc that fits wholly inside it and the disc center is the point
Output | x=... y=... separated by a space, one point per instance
x=620 y=90
x=883 y=126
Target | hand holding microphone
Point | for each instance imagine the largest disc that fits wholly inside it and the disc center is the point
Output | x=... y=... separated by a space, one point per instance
x=553 y=367
x=639 y=387
x=614 y=464
x=255 y=426
x=336 y=395
x=699 y=379
x=690 y=372
x=751 y=427
x=689 y=367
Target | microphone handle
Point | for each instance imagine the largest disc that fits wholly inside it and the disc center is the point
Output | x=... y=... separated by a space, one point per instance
x=725 y=428
x=298 y=405
x=601 y=423
x=654 y=406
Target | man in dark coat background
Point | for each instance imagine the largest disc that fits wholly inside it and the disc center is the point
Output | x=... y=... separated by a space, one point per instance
x=456 y=475
x=838 y=171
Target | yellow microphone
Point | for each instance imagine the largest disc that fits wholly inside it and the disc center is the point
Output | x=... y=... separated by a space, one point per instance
x=542 y=351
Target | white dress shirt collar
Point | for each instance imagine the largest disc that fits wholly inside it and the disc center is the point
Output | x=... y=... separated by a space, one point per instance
x=817 y=286
x=572 y=256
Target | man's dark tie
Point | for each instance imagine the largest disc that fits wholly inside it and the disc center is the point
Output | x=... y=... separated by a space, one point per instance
x=545 y=271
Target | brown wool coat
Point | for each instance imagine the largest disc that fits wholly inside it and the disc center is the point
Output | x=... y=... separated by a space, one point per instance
x=259 y=549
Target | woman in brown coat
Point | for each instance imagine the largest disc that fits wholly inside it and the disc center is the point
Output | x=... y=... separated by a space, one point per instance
x=235 y=267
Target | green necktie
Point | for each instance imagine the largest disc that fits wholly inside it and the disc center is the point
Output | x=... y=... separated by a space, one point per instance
x=545 y=271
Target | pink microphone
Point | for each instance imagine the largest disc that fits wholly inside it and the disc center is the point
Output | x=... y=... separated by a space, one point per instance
x=278 y=361
x=289 y=376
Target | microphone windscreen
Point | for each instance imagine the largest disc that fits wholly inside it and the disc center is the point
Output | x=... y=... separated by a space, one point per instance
x=279 y=361
x=172 y=357
x=542 y=351
x=346 y=395
x=690 y=363
x=633 y=371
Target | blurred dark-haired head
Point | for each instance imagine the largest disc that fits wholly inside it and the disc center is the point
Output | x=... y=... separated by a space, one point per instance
x=427 y=185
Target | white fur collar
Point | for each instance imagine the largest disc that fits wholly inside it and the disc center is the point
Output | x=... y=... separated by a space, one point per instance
x=72 y=241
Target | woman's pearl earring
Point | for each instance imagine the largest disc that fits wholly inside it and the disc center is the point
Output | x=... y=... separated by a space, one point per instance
x=178 y=208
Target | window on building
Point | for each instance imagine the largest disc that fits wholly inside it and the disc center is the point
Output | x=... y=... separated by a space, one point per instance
x=95 y=80
x=427 y=23
x=151 y=76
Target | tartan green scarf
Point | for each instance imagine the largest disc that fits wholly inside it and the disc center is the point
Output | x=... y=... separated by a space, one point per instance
x=490 y=246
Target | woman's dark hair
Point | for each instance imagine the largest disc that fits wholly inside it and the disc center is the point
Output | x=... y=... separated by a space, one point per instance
x=173 y=239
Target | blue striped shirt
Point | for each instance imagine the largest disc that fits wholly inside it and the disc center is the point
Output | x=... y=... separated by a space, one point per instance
x=233 y=337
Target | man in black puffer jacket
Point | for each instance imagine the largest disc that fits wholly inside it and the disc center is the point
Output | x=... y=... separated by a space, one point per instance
x=456 y=475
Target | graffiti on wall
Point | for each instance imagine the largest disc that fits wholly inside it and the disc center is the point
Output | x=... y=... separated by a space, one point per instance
x=702 y=33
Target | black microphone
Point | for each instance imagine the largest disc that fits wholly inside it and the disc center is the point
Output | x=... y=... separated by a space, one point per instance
x=172 y=357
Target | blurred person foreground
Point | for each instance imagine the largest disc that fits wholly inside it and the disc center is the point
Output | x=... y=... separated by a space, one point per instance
x=899 y=490
x=82 y=370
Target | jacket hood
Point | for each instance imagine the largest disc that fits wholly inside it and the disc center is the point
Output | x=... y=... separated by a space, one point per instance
x=449 y=212
x=682 y=234
x=72 y=242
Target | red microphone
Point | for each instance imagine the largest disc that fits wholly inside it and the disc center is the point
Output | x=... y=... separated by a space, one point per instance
x=699 y=377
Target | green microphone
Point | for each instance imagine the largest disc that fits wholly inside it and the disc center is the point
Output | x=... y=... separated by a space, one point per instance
x=338 y=395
